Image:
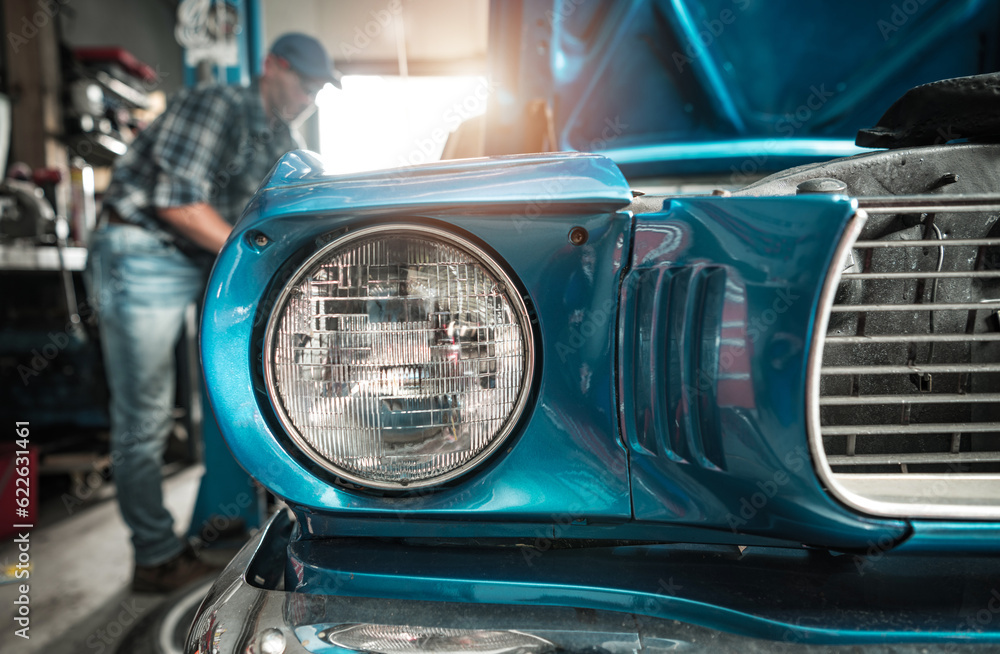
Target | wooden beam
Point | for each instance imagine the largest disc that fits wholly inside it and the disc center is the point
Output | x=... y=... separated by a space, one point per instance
x=415 y=67
x=34 y=82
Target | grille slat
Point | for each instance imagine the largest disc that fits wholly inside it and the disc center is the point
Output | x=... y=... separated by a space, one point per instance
x=914 y=338
x=914 y=459
x=936 y=398
x=972 y=274
x=894 y=204
x=927 y=243
x=915 y=369
x=874 y=430
x=927 y=306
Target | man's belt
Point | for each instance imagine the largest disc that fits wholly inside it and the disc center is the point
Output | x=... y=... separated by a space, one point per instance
x=196 y=254
x=114 y=218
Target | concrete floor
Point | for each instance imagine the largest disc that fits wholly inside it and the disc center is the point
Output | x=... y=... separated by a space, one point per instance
x=80 y=599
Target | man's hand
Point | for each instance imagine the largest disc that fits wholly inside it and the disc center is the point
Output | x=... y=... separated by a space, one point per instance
x=199 y=223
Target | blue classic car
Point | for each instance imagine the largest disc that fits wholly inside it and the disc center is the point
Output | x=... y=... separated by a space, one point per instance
x=516 y=404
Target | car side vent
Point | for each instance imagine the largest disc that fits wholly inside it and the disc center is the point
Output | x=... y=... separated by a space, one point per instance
x=909 y=382
x=674 y=366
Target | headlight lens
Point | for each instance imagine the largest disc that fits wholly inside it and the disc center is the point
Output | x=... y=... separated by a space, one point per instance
x=399 y=356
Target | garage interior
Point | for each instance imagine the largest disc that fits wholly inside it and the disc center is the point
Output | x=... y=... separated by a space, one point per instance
x=79 y=78
x=430 y=80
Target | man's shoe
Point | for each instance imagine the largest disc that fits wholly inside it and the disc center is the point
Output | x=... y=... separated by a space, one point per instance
x=178 y=572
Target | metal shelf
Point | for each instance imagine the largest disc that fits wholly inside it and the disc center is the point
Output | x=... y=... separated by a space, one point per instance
x=41 y=257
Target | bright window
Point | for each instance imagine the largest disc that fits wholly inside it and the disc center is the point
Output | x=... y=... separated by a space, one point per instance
x=388 y=122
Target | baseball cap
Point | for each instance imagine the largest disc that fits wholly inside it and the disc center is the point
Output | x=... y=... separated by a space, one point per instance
x=306 y=56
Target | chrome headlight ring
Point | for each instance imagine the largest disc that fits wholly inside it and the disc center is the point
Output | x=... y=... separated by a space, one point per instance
x=399 y=356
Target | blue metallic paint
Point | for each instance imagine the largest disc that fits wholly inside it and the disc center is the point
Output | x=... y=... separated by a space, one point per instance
x=624 y=76
x=713 y=373
x=694 y=281
x=822 y=599
x=793 y=597
x=710 y=445
x=738 y=160
x=568 y=456
x=535 y=180
x=946 y=536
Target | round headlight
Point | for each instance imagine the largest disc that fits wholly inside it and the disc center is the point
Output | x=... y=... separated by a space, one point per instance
x=399 y=356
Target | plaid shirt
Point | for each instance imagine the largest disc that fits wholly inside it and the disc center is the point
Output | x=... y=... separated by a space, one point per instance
x=212 y=144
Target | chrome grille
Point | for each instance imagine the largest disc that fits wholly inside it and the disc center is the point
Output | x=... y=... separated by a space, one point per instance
x=909 y=380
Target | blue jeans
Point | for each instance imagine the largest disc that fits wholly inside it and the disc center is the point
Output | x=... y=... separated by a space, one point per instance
x=140 y=287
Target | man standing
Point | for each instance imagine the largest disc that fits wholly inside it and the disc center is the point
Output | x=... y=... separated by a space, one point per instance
x=172 y=202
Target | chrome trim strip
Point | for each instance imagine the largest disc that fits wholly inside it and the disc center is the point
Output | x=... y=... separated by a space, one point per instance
x=933 y=243
x=911 y=370
x=914 y=338
x=896 y=459
x=815 y=365
x=454 y=240
x=918 y=428
x=927 y=306
x=929 y=203
x=977 y=274
x=925 y=398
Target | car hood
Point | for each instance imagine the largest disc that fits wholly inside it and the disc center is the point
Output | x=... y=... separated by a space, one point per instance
x=706 y=85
